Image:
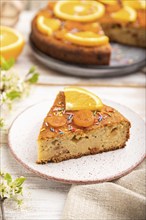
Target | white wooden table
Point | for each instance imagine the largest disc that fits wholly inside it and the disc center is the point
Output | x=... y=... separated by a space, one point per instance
x=43 y=199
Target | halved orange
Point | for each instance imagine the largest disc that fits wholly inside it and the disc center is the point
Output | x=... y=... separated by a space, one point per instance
x=11 y=42
x=125 y=14
x=80 y=99
x=47 y=25
x=86 y=38
x=83 y=11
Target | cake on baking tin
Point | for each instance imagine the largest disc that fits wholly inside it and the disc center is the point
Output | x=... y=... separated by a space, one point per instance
x=79 y=31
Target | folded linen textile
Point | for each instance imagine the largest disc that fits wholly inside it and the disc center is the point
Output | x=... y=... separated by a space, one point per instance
x=123 y=199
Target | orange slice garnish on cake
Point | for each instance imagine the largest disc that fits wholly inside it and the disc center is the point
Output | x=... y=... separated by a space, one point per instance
x=56 y=121
x=111 y=5
x=83 y=118
x=11 y=42
x=48 y=25
x=80 y=99
x=109 y=2
x=86 y=38
x=136 y=4
x=83 y=11
x=125 y=14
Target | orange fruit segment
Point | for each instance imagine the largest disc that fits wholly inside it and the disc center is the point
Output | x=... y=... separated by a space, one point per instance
x=126 y=14
x=83 y=118
x=80 y=99
x=86 y=38
x=56 y=121
x=11 y=42
x=47 y=25
x=83 y=11
x=136 y=4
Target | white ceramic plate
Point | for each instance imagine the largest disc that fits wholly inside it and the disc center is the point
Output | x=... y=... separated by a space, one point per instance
x=88 y=169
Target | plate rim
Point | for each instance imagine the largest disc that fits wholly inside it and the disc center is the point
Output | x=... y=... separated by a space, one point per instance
x=48 y=177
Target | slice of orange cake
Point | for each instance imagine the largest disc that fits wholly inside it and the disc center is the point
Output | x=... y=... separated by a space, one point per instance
x=79 y=124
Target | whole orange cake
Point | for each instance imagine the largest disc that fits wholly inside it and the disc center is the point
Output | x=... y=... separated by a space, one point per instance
x=67 y=134
x=79 y=31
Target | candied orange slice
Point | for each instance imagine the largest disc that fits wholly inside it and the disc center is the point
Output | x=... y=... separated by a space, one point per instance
x=51 y=5
x=86 y=38
x=45 y=13
x=92 y=26
x=47 y=25
x=126 y=14
x=79 y=99
x=56 y=121
x=140 y=17
x=83 y=118
x=83 y=11
x=60 y=34
x=136 y=4
x=11 y=42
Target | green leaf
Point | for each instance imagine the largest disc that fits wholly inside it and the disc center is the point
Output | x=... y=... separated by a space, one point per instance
x=34 y=78
x=19 y=202
x=8 y=178
x=2 y=188
x=6 y=64
x=3 y=191
x=32 y=70
x=1 y=122
x=19 y=181
x=18 y=190
x=13 y=95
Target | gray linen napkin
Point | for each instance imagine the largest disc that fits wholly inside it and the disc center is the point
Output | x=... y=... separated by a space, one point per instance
x=123 y=199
